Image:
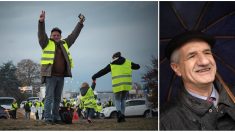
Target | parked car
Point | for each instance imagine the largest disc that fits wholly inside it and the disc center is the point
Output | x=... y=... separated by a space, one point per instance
x=5 y=106
x=4 y=113
x=22 y=104
x=134 y=107
x=6 y=102
x=32 y=98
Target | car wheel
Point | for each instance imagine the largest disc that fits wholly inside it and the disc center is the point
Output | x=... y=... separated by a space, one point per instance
x=147 y=114
x=113 y=114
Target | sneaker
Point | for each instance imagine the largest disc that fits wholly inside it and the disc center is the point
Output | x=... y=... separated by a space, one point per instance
x=122 y=118
x=119 y=117
x=89 y=121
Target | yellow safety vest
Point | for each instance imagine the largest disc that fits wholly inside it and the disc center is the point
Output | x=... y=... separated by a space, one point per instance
x=121 y=77
x=68 y=104
x=37 y=104
x=30 y=104
x=48 y=54
x=64 y=102
x=98 y=108
x=81 y=105
x=72 y=101
x=42 y=105
x=14 y=106
x=89 y=99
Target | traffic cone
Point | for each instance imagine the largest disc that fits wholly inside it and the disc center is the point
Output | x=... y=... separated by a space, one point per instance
x=75 y=117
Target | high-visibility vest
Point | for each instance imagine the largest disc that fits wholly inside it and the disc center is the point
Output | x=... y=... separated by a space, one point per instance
x=37 y=104
x=98 y=108
x=89 y=99
x=41 y=105
x=64 y=102
x=110 y=103
x=81 y=105
x=14 y=106
x=48 y=54
x=72 y=101
x=121 y=77
x=30 y=104
x=68 y=104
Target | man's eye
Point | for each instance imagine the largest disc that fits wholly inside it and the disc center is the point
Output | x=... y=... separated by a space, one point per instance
x=208 y=53
x=191 y=56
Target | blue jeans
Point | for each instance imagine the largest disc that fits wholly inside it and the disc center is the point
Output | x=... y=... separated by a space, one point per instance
x=54 y=88
x=120 y=101
x=90 y=112
x=27 y=115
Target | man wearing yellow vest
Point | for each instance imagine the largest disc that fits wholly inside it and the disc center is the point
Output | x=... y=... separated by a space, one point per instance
x=14 y=107
x=37 y=105
x=121 y=70
x=56 y=63
x=27 y=108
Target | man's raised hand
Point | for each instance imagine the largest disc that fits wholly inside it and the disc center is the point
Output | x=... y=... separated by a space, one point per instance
x=42 y=16
x=82 y=18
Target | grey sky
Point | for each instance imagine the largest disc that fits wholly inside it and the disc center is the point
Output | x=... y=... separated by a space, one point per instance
x=128 y=27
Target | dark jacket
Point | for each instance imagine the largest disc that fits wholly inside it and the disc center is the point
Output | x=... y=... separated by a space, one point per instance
x=107 y=69
x=190 y=113
x=27 y=106
x=46 y=70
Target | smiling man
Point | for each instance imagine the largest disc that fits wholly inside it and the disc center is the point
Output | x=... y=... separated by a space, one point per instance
x=203 y=103
x=56 y=64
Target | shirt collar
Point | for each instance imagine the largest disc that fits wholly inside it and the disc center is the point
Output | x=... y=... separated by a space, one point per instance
x=214 y=94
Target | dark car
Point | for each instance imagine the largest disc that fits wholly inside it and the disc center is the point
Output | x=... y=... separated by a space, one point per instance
x=6 y=102
x=3 y=113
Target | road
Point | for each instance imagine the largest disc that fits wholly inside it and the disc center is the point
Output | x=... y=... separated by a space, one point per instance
x=134 y=123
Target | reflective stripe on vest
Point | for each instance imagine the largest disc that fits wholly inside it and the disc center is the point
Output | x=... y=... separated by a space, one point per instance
x=89 y=99
x=121 y=76
x=48 y=54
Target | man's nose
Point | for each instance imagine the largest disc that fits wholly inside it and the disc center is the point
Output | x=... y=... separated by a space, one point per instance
x=203 y=59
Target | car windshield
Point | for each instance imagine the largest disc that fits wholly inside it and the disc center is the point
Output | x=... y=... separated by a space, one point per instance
x=6 y=101
x=33 y=98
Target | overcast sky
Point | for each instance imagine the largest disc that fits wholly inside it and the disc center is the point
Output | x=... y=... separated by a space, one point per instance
x=128 y=27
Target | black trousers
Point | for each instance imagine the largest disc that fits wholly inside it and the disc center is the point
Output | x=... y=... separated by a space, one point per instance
x=13 y=114
x=37 y=116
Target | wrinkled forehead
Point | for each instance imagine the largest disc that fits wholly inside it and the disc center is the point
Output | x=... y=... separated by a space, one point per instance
x=195 y=47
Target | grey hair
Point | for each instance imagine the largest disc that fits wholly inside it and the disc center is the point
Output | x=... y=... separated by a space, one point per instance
x=175 y=56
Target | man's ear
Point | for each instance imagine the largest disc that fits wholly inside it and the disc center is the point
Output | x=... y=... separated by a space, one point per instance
x=175 y=67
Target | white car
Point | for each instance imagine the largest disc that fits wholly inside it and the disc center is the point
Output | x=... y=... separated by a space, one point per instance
x=135 y=107
x=22 y=104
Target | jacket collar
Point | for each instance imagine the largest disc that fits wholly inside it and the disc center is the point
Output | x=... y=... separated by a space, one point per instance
x=197 y=105
x=223 y=95
x=200 y=106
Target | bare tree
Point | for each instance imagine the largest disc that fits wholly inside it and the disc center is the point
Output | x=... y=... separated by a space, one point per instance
x=9 y=83
x=151 y=80
x=28 y=73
